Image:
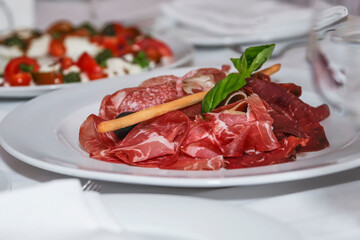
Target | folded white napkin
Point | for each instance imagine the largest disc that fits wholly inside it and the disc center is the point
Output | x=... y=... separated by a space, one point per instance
x=262 y=19
x=56 y=210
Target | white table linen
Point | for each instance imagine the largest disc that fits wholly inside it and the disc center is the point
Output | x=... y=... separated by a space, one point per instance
x=56 y=210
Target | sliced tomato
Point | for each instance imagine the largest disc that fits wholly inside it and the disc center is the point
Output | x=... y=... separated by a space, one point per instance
x=66 y=62
x=96 y=76
x=130 y=33
x=46 y=78
x=110 y=43
x=153 y=48
x=13 y=67
x=61 y=27
x=88 y=65
x=20 y=79
x=57 y=48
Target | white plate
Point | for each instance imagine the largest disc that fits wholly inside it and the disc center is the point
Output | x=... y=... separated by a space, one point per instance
x=44 y=132
x=208 y=23
x=163 y=217
x=4 y=182
x=183 y=53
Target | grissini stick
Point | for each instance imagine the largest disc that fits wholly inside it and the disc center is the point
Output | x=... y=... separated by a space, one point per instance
x=149 y=113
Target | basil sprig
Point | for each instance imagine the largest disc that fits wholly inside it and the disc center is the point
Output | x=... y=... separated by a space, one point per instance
x=142 y=60
x=26 y=68
x=103 y=56
x=251 y=60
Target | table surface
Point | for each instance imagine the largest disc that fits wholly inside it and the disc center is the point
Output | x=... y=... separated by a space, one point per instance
x=336 y=194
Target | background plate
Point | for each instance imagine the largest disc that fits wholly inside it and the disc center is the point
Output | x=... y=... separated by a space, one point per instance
x=49 y=140
x=183 y=53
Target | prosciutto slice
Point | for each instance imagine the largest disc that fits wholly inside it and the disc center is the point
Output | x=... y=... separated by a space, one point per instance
x=97 y=144
x=230 y=134
x=156 y=140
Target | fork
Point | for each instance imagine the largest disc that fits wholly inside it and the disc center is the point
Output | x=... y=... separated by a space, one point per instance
x=91 y=185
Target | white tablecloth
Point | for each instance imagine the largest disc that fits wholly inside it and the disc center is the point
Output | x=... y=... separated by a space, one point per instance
x=324 y=207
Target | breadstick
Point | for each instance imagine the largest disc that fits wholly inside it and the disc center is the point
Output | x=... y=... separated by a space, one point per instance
x=149 y=113
x=270 y=70
x=158 y=110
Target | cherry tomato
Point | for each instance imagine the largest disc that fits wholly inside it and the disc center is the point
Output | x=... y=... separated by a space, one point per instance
x=66 y=62
x=20 y=79
x=57 y=48
x=129 y=33
x=110 y=43
x=112 y=29
x=88 y=65
x=153 y=48
x=96 y=76
x=13 y=67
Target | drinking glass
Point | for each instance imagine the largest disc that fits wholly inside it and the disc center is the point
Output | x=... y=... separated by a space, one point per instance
x=334 y=54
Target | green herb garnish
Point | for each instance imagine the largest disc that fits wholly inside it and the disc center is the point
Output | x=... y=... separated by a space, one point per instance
x=56 y=35
x=26 y=68
x=71 y=77
x=109 y=30
x=251 y=60
x=103 y=56
x=90 y=28
x=142 y=60
x=15 y=41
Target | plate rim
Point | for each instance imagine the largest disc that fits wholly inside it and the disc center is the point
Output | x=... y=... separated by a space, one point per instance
x=205 y=182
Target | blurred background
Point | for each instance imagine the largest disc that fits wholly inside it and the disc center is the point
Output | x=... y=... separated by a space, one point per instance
x=39 y=13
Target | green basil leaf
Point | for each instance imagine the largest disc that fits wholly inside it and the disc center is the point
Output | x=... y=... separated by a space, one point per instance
x=15 y=41
x=90 y=28
x=251 y=60
x=71 y=77
x=258 y=56
x=240 y=64
x=26 y=68
x=56 y=35
x=220 y=91
x=109 y=30
x=142 y=60
x=103 y=56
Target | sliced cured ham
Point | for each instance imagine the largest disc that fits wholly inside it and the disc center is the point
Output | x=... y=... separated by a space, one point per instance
x=263 y=124
x=160 y=137
x=97 y=144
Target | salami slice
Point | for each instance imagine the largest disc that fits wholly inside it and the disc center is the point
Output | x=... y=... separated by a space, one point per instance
x=135 y=99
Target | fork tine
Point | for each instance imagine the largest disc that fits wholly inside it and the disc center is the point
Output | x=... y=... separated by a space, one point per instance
x=91 y=186
x=86 y=185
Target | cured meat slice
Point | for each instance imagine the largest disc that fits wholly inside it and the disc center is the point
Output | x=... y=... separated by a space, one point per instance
x=231 y=133
x=135 y=99
x=291 y=87
x=160 y=137
x=218 y=74
x=288 y=105
x=176 y=81
x=159 y=80
x=97 y=144
x=185 y=162
x=285 y=153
